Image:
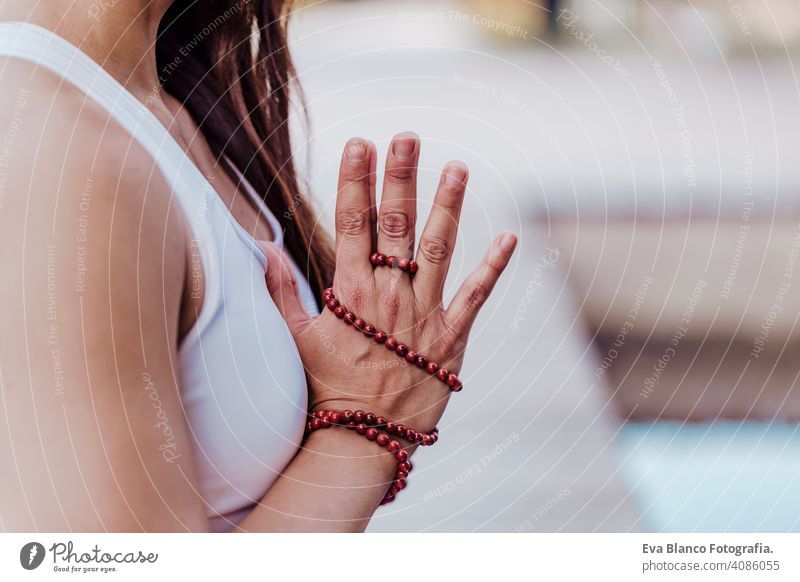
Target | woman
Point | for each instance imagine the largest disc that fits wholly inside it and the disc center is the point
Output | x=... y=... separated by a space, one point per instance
x=150 y=379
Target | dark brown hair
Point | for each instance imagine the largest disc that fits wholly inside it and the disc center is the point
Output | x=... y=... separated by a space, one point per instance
x=227 y=61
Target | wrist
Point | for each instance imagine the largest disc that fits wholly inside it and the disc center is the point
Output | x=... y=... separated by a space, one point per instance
x=398 y=440
x=351 y=451
x=422 y=416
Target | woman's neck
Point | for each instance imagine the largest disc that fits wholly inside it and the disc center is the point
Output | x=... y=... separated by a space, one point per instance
x=118 y=34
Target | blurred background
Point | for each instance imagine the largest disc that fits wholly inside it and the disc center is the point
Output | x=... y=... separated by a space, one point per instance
x=637 y=367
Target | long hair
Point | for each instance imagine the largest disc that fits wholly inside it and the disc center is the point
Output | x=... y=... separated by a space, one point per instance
x=228 y=63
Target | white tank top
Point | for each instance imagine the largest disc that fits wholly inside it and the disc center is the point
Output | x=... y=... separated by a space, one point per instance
x=242 y=383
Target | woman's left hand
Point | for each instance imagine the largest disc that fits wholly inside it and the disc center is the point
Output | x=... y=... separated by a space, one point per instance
x=345 y=369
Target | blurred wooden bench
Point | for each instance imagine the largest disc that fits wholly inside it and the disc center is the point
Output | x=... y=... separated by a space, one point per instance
x=693 y=318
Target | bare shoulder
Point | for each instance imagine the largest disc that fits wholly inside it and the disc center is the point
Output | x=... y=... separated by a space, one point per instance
x=67 y=168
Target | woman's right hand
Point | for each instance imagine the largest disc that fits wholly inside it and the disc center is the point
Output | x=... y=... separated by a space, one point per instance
x=345 y=369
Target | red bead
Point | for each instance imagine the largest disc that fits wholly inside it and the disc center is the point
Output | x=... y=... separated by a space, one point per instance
x=403 y=264
x=349 y=318
x=373 y=258
x=340 y=312
x=452 y=380
x=369 y=330
x=411 y=356
x=442 y=374
x=401 y=349
x=359 y=324
x=431 y=368
x=368 y=424
x=381 y=259
x=391 y=344
x=333 y=304
x=422 y=362
x=413 y=267
x=391 y=261
x=458 y=386
x=381 y=337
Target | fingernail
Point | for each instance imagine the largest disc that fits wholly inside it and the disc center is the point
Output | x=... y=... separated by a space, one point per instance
x=455 y=175
x=356 y=150
x=403 y=147
x=508 y=242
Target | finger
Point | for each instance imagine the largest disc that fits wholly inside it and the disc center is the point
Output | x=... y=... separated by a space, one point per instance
x=439 y=237
x=398 y=211
x=353 y=236
x=373 y=205
x=476 y=289
x=283 y=288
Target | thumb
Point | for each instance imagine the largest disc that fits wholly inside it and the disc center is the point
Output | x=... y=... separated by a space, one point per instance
x=283 y=288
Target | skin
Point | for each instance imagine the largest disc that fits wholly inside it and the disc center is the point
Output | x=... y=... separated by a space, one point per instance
x=82 y=453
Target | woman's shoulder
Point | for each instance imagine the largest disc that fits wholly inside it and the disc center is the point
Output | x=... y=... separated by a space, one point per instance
x=66 y=167
x=45 y=119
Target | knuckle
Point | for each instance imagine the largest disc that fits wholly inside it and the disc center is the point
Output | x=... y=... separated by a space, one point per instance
x=497 y=262
x=477 y=293
x=356 y=296
x=395 y=223
x=450 y=201
x=351 y=222
x=434 y=249
x=355 y=176
x=392 y=305
x=400 y=174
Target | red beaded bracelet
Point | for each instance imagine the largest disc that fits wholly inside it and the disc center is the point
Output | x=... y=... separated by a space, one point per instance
x=370 y=425
x=381 y=337
x=406 y=265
